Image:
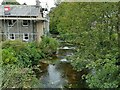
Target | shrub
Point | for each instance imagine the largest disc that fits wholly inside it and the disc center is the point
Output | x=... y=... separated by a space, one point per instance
x=104 y=74
x=8 y=56
x=27 y=53
x=16 y=76
x=48 y=45
x=31 y=54
x=16 y=45
x=18 y=59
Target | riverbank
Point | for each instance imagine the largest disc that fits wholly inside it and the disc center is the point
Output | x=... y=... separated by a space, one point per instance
x=58 y=72
x=20 y=58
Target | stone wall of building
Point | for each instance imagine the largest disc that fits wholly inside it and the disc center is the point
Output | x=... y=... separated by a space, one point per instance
x=18 y=29
x=40 y=32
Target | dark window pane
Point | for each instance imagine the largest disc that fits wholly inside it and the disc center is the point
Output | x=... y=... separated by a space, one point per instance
x=12 y=36
x=25 y=22
x=26 y=37
x=10 y=22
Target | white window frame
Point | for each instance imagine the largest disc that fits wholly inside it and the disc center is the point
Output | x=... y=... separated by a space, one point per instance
x=10 y=36
x=23 y=23
x=12 y=21
x=25 y=37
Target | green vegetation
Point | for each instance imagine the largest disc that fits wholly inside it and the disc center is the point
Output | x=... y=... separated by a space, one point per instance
x=20 y=59
x=1 y=71
x=94 y=29
x=17 y=76
x=10 y=2
x=48 y=46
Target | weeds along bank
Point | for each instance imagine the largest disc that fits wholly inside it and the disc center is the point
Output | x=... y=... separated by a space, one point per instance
x=0 y=66
x=20 y=58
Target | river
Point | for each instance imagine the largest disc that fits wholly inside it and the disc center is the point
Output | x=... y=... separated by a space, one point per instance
x=58 y=72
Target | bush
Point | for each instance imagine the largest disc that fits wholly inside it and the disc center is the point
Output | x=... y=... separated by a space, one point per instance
x=1 y=71
x=19 y=58
x=16 y=51
x=16 y=45
x=48 y=45
x=16 y=76
x=31 y=54
x=104 y=74
x=28 y=53
x=8 y=56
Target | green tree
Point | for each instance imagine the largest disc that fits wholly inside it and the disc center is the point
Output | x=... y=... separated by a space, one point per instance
x=92 y=27
x=10 y=2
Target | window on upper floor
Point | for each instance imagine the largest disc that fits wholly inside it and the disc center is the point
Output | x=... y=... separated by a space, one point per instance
x=11 y=22
x=25 y=23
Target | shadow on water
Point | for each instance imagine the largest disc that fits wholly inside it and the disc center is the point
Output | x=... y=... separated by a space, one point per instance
x=59 y=73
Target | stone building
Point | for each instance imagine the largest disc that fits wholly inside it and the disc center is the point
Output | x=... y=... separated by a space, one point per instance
x=23 y=22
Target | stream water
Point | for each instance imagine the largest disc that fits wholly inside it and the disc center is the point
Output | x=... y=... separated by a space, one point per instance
x=58 y=73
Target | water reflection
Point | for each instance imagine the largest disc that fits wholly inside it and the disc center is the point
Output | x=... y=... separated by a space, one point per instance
x=53 y=78
x=59 y=73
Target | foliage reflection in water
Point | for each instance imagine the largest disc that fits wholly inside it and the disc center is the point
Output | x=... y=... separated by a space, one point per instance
x=58 y=73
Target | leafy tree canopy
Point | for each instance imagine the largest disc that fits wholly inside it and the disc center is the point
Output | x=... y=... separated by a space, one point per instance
x=94 y=28
x=10 y=2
